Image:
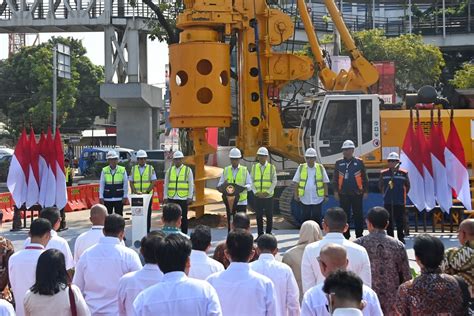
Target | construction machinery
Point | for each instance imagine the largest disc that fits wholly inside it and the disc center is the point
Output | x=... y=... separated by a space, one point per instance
x=200 y=82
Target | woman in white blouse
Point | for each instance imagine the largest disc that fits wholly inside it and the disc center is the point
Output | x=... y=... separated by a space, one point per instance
x=52 y=294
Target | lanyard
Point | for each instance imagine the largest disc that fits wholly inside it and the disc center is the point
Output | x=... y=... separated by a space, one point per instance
x=34 y=247
x=346 y=173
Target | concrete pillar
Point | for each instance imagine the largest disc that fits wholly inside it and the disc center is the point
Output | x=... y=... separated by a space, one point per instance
x=133 y=49
x=444 y=18
x=155 y=125
x=108 y=54
x=134 y=127
x=142 y=51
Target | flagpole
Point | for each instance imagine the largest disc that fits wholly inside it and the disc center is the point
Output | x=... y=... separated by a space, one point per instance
x=55 y=86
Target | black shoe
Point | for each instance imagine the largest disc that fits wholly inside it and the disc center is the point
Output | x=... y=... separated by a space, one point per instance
x=63 y=229
x=15 y=229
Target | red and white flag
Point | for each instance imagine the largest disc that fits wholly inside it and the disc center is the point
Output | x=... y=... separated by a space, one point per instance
x=458 y=176
x=437 y=148
x=33 y=178
x=428 y=181
x=410 y=159
x=61 y=193
x=17 y=180
x=43 y=168
x=50 y=189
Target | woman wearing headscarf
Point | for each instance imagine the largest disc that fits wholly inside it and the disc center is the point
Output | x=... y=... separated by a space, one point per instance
x=309 y=233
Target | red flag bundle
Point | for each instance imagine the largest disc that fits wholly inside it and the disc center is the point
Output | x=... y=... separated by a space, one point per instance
x=34 y=176
x=437 y=148
x=428 y=181
x=457 y=173
x=410 y=159
x=61 y=193
x=17 y=180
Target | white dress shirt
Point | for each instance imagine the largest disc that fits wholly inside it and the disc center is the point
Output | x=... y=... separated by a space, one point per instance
x=132 y=283
x=347 y=312
x=98 y=273
x=358 y=260
x=202 y=266
x=310 y=196
x=6 y=309
x=102 y=185
x=315 y=302
x=273 y=175
x=248 y=181
x=178 y=295
x=59 y=243
x=190 y=184
x=87 y=240
x=243 y=291
x=286 y=288
x=22 y=272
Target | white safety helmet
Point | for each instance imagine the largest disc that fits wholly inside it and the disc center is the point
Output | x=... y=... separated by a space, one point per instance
x=112 y=154
x=178 y=155
x=262 y=151
x=235 y=153
x=310 y=153
x=393 y=156
x=348 y=144
x=141 y=154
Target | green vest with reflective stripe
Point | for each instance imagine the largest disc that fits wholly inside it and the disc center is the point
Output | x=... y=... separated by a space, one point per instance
x=178 y=184
x=318 y=179
x=263 y=182
x=142 y=181
x=113 y=187
x=240 y=179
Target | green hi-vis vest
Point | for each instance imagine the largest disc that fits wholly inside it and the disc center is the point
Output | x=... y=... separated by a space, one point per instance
x=240 y=179
x=142 y=181
x=318 y=179
x=263 y=182
x=178 y=184
x=113 y=187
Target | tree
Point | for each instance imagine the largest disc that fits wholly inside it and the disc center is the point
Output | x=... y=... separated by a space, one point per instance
x=464 y=77
x=26 y=81
x=417 y=64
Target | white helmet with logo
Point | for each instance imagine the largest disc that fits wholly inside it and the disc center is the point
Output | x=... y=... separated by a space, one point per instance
x=348 y=144
x=112 y=154
x=141 y=154
x=235 y=153
x=393 y=156
x=310 y=153
x=178 y=155
x=262 y=151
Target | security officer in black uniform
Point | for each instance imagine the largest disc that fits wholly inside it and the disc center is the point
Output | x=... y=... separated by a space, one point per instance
x=394 y=185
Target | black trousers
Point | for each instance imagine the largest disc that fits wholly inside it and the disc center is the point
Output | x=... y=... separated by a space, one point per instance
x=148 y=218
x=397 y=214
x=184 y=214
x=116 y=206
x=311 y=212
x=63 y=218
x=264 y=206
x=352 y=205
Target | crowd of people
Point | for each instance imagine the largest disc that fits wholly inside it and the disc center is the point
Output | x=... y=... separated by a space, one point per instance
x=323 y=274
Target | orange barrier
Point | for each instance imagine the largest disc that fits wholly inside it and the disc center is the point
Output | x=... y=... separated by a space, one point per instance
x=74 y=202
x=157 y=195
x=92 y=194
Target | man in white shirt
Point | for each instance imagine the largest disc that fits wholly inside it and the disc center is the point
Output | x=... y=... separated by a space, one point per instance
x=311 y=187
x=171 y=219
x=333 y=258
x=132 y=283
x=100 y=268
x=241 y=290
x=90 y=238
x=201 y=265
x=179 y=187
x=334 y=225
x=238 y=175
x=57 y=242
x=286 y=288
x=22 y=264
x=177 y=294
